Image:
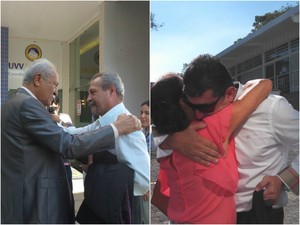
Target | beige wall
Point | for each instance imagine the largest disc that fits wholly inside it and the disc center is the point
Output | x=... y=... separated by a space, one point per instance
x=51 y=50
x=55 y=51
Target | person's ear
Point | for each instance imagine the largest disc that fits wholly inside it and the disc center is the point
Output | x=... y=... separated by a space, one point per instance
x=37 y=79
x=230 y=94
x=112 y=89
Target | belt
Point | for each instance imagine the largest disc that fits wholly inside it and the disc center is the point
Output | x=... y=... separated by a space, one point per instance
x=105 y=158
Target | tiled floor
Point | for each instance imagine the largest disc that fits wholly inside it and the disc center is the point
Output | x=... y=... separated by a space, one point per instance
x=77 y=188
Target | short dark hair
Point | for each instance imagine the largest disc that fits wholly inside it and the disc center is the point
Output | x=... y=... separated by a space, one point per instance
x=55 y=100
x=206 y=72
x=166 y=112
x=145 y=103
x=109 y=78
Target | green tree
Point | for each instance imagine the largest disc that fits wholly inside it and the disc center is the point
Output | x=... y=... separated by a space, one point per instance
x=184 y=67
x=264 y=19
x=153 y=24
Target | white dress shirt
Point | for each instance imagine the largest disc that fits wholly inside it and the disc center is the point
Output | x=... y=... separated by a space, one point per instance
x=263 y=144
x=130 y=149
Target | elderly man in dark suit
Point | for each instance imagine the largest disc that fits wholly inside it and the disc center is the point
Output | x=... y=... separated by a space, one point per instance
x=34 y=187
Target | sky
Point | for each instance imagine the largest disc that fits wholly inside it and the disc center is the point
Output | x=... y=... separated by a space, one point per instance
x=191 y=28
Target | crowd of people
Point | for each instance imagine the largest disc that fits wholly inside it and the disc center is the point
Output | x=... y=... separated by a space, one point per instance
x=222 y=147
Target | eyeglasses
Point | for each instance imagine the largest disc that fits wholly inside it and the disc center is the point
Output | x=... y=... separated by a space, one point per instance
x=205 y=108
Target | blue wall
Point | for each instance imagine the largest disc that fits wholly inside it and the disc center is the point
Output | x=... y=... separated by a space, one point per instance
x=4 y=64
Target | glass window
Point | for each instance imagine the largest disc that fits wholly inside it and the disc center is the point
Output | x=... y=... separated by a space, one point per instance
x=84 y=63
x=295 y=45
x=282 y=75
x=282 y=51
x=270 y=55
x=282 y=67
x=276 y=53
x=270 y=71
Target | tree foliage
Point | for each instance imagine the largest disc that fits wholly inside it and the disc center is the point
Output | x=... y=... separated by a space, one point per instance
x=184 y=67
x=153 y=24
x=264 y=19
x=260 y=21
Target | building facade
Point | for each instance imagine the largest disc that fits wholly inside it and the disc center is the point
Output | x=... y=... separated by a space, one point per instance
x=270 y=52
x=81 y=38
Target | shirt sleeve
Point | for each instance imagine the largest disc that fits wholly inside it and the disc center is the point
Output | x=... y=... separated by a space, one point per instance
x=286 y=126
x=132 y=150
x=80 y=130
x=159 y=152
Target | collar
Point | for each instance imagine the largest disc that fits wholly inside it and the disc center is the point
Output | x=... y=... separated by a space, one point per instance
x=146 y=132
x=28 y=91
x=240 y=90
x=112 y=115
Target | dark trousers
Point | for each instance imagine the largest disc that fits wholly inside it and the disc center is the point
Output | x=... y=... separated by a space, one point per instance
x=108 y=192
x=261 y=212
x=137 y=209
x=275 y=215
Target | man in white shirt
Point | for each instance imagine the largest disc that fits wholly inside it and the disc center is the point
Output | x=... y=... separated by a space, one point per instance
x=262 y=147
x=106 y=92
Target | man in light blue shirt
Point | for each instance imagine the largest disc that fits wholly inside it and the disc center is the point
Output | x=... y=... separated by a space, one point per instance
x=106 y=93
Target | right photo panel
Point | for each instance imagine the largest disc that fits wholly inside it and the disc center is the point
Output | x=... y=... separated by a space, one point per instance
x=224 y=112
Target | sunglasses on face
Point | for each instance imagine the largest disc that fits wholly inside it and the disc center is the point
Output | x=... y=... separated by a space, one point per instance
x=205 y=108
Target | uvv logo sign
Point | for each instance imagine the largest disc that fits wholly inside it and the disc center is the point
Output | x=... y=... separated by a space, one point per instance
x=16 y=69
x=16 y=66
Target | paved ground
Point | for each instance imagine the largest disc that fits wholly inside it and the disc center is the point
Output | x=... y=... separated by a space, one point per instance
x=291 y=210
x=77 y=188
x=157 y=217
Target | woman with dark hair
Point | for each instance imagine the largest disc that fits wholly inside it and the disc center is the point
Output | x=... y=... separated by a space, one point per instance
x=167 y=114
x=200 y=194
x=145 y=118
x=141 y=203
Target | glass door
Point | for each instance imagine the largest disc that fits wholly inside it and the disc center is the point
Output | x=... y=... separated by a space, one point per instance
x=84 y=63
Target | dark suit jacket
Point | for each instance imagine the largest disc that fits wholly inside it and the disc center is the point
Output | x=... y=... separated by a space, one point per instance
x=34 y=187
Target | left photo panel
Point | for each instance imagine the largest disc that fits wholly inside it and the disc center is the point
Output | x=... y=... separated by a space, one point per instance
x=75 y=112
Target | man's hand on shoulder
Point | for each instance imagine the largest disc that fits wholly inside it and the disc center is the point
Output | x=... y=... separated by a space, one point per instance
x=189 y=143
x=126 y=124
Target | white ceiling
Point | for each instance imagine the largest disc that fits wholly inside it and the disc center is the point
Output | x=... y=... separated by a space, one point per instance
x=48 y=20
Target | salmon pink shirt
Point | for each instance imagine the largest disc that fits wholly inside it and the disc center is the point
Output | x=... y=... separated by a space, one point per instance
x=200 y=194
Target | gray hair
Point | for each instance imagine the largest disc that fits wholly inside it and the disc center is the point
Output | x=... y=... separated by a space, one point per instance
x=111 y=78
x=40 y=66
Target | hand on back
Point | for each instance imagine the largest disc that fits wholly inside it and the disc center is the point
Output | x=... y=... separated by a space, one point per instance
x=126 y=124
